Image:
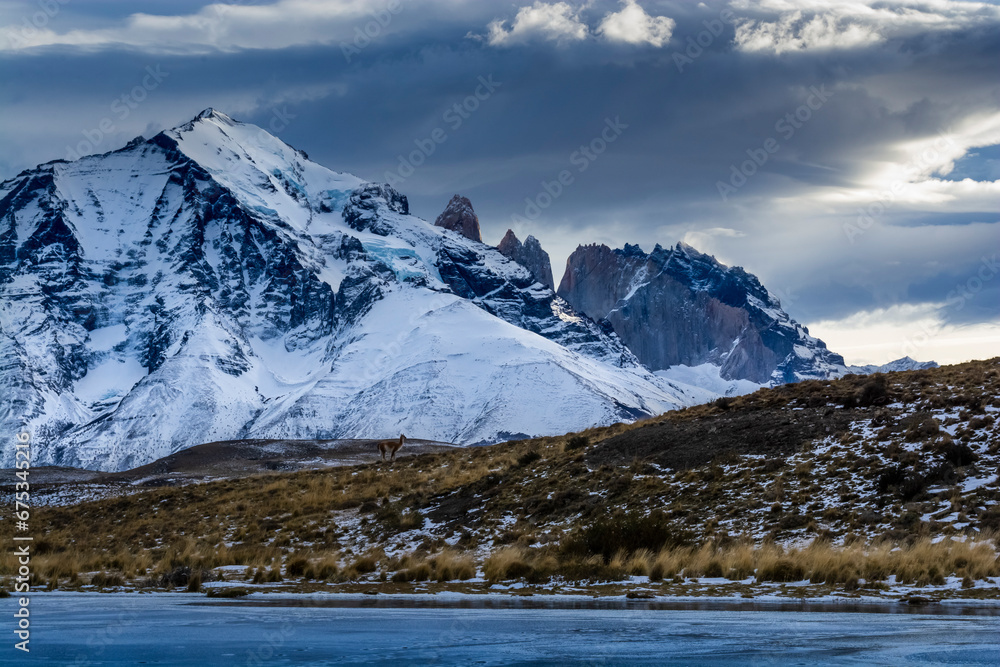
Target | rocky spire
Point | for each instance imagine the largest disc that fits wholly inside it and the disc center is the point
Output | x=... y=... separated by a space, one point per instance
x=458 y=216
x=529 y=255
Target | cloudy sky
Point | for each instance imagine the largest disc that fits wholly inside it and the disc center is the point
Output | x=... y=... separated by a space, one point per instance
x=847 y=152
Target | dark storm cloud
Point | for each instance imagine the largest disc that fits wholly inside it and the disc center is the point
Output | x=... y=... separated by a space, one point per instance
x=694 y=111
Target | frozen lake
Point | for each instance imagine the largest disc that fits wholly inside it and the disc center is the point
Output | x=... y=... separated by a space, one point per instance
x=167 y=629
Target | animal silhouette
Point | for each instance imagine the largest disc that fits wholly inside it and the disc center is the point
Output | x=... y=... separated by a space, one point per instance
x=391 y=446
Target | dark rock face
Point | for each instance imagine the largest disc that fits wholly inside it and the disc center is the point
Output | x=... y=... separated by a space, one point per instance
x=679 y=306
x=367 y=206
x=510 y=292
x=529 y=255
x=458 y=216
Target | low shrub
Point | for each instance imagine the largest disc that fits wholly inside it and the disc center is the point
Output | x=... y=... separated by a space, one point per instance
x=956 y=453
x=781 y=570
x=920 y=427
x=874 y=392
x=907 y=482
x=528 y=458
x=628 y=532
x=396 y=519
x=723 y=403
x=296 y=567
x=107 y=579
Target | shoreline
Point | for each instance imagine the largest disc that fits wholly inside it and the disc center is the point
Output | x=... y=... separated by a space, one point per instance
x=504 y=600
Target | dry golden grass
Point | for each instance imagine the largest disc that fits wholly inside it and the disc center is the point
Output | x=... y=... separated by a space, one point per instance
x=450 y=565
x=507 y=563
x=921 y=562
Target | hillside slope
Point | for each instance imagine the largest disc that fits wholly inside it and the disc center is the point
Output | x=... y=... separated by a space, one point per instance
x=890 y=465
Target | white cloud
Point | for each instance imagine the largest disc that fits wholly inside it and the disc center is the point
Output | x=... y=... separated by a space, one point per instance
x=792 y=32
x=781 y=26
x=633 y=25
x=557 y=22
x=906 y=179
x=216 y=27
x=913 y=330
x=703 y=238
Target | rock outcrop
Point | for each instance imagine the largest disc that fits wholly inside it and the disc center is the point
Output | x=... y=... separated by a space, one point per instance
x=458 y=216
x=679 y=306
x=529 y=255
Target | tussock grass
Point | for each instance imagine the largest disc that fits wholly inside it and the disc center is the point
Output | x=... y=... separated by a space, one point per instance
x=510 y=563
x=448 y=565
x=921 y=562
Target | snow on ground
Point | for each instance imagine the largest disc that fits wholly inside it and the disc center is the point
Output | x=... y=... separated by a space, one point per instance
x=708 y=378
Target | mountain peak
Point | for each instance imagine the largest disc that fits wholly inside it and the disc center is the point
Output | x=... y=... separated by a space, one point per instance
x=207 y=118
x=905 y=364
x=529 y=255
x=459 y=216
x=212 y=113
x=509 y=240
x=632 y=250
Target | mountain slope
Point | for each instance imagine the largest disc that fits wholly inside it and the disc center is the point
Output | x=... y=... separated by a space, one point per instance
x=213 y=283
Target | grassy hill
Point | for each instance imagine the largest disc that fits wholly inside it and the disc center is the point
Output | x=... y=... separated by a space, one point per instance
x=878 y=485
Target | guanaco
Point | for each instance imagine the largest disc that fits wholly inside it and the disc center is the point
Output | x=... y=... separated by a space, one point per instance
x=391 y=446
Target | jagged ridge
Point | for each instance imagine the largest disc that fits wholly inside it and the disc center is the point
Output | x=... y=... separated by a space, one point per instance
x=679 y=306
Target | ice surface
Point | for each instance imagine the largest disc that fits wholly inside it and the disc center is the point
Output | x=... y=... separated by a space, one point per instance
x=167 y=629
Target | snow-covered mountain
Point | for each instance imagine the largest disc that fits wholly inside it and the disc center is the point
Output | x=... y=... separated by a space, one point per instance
x=904 y=364
x=213 y=283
